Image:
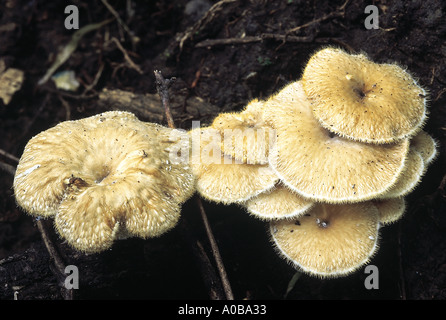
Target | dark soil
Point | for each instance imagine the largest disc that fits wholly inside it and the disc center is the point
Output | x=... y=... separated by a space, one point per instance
x=412 y=255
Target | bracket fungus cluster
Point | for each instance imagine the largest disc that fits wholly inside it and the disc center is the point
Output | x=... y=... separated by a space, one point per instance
x=103 y=178
x=326 y=161
x=343 y=147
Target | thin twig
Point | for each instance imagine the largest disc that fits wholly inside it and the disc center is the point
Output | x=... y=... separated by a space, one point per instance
x=133 y=38
x=126 y=56
x=68 y=49
x=54 y=254
x=216 y=253
x=339 y=12
x=260 y=38
x=58 y=262
x=207 y=18
x=208 y=273
x=162 y=88
x=8 y=168
x=8 y=155
x=95 y=80
x=66 y=106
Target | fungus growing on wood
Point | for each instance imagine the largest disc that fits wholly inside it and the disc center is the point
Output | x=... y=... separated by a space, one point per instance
x=104 y=177
x=245 y=135
x=278 y=203
x=365 y=101
x=221 y=178
x=330 y=240
x=322 y=166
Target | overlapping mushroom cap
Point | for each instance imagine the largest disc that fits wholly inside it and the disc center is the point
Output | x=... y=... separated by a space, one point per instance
x=426 y=146
x=278 y=203
x=323 y=166
x=409 y=177
x=349 y=143
x=390 y=210
x=357 y=98
x=221 y=178
x=246 y=137
x=329 y=240
x=104 y=177
x=347 y=147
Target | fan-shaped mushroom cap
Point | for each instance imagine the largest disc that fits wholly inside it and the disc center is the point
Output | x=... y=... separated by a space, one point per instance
x=390 y=210
x=322 y=166
x=362 y=100
x=329 y=240
x=409 y=177
x=278 y=203
x=103 y=176
x=221 y=178
x=245 y=136
x=425 y=145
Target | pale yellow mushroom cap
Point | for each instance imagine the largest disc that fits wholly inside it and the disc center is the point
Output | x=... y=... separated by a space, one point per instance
x=426 y=146
x=390 y=210
x=330 y=240
x=409 y=177
x=362 y=100
x=104 y=176
x=278 y=203
x=245 y=136
x=221 y=178
x=322 y=166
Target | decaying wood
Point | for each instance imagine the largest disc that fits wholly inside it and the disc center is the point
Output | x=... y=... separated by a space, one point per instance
x=148 y=106
x=28 y=276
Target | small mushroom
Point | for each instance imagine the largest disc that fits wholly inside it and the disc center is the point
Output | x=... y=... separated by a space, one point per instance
x=245 y=136
x=356 y=98
x=103 y=177
x=330 y=240
x=390 y=210
x=322 y=166
x=221 y=178
x=278 y=203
